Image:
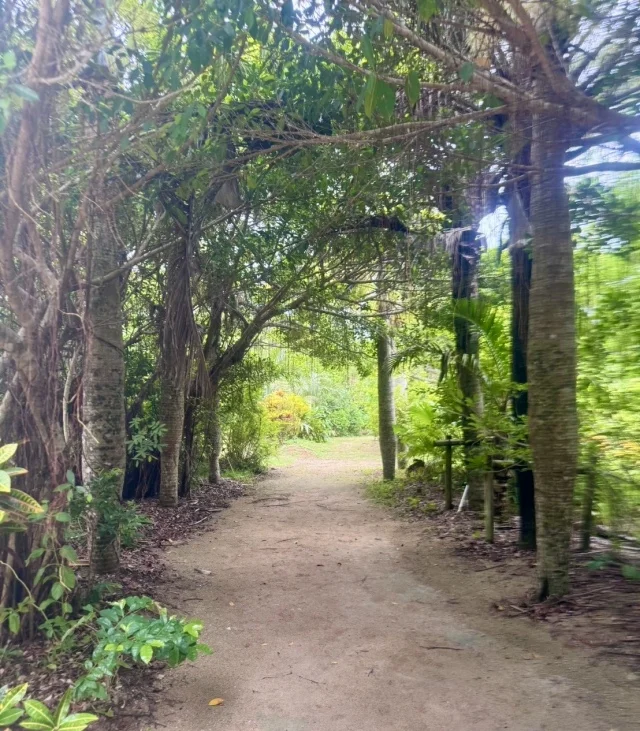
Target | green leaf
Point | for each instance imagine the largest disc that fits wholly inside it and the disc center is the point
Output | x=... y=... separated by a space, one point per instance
x=67 y=577
x=24 y=92
x=195 y=58
x=367 y=49
x=38 y=712
x=77 y=722
x=427 y=9
x=63 y=707
x=5 y=482
x=27 y=503
x=146 y=654
x=369 y=95
x=71 y=478
x=385 y=99
x=10 y=716
x=412 y=87
x=388 y=28
x=9 y=61
x=7 y=451
x=465 y=72
x=57 y=590
x=249 y=17
x=36 y=553
x=63 y=517
x=14 y=623
x=13 y=696
x=193 y=629
x=16 y=471
x=69 y=553
x=36 y=726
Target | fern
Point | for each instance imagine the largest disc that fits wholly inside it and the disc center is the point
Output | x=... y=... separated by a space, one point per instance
x=486 y=321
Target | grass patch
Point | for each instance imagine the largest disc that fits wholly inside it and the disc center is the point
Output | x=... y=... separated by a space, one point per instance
x=385 y=492
x=240 y=475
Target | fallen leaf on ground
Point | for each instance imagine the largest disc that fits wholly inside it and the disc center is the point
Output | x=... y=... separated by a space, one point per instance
x=216 y=702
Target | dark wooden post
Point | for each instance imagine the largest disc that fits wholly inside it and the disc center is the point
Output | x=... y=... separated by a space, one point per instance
x=448 y=474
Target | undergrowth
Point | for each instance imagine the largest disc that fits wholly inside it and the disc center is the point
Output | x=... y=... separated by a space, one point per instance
x=386 y=492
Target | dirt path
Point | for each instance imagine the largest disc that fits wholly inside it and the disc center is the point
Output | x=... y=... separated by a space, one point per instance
x=325 y=613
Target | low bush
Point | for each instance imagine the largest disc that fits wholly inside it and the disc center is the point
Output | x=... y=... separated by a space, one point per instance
x=133 y=630
x=138 y=630
x=287 y=412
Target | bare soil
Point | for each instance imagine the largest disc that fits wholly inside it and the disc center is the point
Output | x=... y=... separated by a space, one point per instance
x=326 y=612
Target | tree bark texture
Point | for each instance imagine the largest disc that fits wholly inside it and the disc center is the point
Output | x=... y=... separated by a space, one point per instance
x=174 y=371
x=103 y=410
x=386 y=403
x=466 y=256
x=553 y=423
x=190 y=456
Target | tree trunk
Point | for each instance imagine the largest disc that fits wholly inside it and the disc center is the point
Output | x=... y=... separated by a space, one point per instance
x=103 y=436
x=591 y=490
x=215 y=435
x=174 y=372
x=189 y=455
x=386 y=404
x=553 y=423
x=520 y=287
x=519 y=205
x=465 y=287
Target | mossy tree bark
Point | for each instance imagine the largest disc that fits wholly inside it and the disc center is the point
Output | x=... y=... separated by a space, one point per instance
x=553 y=424
x=174 y=370
x=466 y=256
x=103 y=410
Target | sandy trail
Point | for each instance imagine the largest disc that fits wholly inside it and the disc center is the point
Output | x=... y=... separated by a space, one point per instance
x=326 y=613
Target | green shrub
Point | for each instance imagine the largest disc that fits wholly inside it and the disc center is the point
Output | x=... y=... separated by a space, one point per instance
x=135 y=629
x=287 y=412
x=116 y=520
x=249 y=438
x=339 y=412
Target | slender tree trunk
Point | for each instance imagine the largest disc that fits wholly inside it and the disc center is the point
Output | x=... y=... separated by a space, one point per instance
x=520 y=287
x=465 y=287
x=386 y=403
x=103 y=436
x=519 y=205
x=591 y=491
x=189 y=452
x=553 y=423
x=174 y=372
x=215 y=436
